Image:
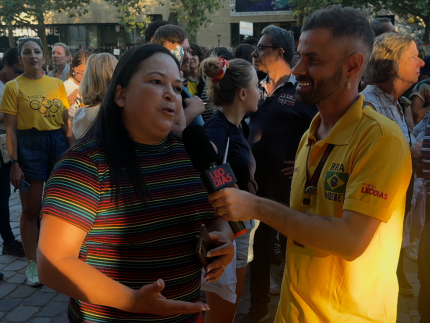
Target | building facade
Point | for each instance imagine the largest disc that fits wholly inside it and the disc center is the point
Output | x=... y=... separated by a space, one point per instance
x=99 y=30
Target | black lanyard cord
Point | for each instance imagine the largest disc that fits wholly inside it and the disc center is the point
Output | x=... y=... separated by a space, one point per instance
x=311 y=183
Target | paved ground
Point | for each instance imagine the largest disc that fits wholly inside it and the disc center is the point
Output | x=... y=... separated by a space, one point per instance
x=21 y=303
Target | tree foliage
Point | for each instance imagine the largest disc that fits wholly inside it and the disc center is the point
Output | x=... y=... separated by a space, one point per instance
x=130 y=12
x=417 y=8
x=31 y=13
x=195 y=13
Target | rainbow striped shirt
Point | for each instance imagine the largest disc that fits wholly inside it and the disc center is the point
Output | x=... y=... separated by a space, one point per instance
x=134 y=244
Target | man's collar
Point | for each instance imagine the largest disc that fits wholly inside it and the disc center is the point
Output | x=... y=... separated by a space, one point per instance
x=344 y=129
x=263 y=84
x=291 y=79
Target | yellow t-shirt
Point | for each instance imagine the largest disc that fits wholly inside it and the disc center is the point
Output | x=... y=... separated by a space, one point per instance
x=192 y=87
x=368 y=171
x=37 y=103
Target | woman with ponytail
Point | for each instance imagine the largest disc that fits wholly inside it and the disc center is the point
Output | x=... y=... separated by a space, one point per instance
x=233 y=86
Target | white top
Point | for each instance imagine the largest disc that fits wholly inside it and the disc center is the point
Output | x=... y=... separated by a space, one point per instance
x=71 y=86
x=84 y=118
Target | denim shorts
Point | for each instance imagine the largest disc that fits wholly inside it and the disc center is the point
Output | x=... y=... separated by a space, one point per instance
x=245 y=244
x=39 y=151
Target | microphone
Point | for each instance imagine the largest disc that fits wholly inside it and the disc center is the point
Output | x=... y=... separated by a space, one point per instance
x=203 y=156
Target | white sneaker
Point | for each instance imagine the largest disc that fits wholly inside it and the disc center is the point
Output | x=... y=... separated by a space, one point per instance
x=274 y=287
x=31 y=272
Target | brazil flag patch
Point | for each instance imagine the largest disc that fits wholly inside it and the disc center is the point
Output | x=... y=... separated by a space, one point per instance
x=336 y=182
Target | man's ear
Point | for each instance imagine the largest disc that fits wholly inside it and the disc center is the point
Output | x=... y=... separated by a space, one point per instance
x=120 y=96
x=355 y=63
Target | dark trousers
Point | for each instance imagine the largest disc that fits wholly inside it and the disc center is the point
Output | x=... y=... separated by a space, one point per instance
x=259 y=268
x=424 y=269
x=5 y=229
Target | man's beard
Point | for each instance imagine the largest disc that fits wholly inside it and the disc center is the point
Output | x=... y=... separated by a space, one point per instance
x=322 y=89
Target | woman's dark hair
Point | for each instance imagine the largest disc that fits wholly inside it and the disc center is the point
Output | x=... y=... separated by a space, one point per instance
x=11 y=57
x=169 y=33
x=244 y=51
x=152 y=28
x=220 y=52
x=115 y=140
x=250 y=41
x=21 y=44
x=198 y=51
x=80 y=58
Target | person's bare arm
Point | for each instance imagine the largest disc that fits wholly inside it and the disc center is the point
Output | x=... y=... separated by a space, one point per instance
x=416 y=151
x=67 y=128
x=418 y=110
x=194 y=108
x=346 y=237
x=11 y=122
x=59 y=268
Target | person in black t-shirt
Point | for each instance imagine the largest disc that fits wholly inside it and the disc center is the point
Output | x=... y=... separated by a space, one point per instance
x=275 y=133
x=233 y=86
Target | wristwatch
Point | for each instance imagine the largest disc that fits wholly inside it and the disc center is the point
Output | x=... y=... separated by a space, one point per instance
x=13 y=161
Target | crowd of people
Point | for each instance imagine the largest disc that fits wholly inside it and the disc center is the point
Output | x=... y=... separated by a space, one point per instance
x=326 y=128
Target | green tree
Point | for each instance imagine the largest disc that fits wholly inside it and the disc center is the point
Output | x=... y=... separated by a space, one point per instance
x=129 y=12
x=417 y=8
x=32 y=13
x=195 y=13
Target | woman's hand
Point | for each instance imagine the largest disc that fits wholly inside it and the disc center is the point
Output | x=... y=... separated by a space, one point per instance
x=289 y=171
x=15 y=175
x=149 y=300
x=224 y=252
x=73 y=96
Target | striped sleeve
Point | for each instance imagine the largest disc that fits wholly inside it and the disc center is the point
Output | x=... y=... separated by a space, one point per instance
x=73 y=191
x=425 y=150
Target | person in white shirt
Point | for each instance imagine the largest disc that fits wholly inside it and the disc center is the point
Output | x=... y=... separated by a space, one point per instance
x=72 y=84
x=94 y=85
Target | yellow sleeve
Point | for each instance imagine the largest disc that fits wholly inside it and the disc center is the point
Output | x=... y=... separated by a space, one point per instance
x=381 y=172
x=9 y=101
x=63 y=94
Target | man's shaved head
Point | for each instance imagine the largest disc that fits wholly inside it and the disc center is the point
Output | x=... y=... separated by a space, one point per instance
x=350 y=29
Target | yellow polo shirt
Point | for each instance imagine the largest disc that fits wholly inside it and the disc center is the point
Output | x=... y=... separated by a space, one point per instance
x=368 y=171
x=36 y=103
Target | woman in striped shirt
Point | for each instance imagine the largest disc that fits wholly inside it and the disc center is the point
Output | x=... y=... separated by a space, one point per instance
x=123 y=207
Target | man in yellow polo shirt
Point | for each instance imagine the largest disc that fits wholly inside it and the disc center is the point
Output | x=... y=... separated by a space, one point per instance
x=347 y=201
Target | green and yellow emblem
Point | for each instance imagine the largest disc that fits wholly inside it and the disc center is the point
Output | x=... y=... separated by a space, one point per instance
x=336 y=182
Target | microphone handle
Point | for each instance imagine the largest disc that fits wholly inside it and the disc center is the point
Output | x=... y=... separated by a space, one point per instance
x=238 y=228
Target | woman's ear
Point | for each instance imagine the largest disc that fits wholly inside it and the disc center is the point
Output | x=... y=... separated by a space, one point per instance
x=242 y=94
x=120 y=96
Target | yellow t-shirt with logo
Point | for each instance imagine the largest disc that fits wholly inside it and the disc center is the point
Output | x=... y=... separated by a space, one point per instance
x=368 y=171
x=37 y=103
